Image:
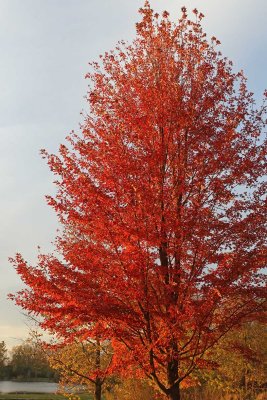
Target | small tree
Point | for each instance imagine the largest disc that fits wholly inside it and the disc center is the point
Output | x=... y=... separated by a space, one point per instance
x=163 y=194
x=82 y=363
x=242 y=359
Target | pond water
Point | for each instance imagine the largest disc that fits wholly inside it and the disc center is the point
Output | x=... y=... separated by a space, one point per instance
x=30 y=387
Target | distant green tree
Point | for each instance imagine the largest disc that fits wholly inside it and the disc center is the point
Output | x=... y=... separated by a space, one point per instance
x=28 y=361
x=3 y=359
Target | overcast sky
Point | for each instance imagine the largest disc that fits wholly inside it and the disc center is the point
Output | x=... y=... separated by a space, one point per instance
x=45 y=49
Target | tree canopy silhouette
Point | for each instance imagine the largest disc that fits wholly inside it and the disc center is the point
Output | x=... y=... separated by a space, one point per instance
x=161 y=199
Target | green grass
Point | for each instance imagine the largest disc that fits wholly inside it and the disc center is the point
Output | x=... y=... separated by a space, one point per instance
x=31 y=396
x=38 y=396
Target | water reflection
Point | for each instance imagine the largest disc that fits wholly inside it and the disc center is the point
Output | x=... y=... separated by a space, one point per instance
x=30 y=387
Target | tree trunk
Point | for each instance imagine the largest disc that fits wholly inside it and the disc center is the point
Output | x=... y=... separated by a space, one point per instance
x=174 y=393
x=172 y=373
x=98 y=381
x=98 y=389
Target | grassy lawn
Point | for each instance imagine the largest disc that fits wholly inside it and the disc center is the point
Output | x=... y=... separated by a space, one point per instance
x=30 y=396
x=38 y=396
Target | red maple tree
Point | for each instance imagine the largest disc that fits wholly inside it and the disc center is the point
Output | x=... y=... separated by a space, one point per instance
x=161 y=199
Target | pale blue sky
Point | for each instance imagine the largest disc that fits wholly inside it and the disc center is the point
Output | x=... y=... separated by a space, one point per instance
x=45 y=49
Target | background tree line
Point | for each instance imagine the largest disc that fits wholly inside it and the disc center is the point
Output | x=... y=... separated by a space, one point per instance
x=24 y=362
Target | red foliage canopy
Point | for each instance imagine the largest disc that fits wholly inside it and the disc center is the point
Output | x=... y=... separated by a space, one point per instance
x=161 y=198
